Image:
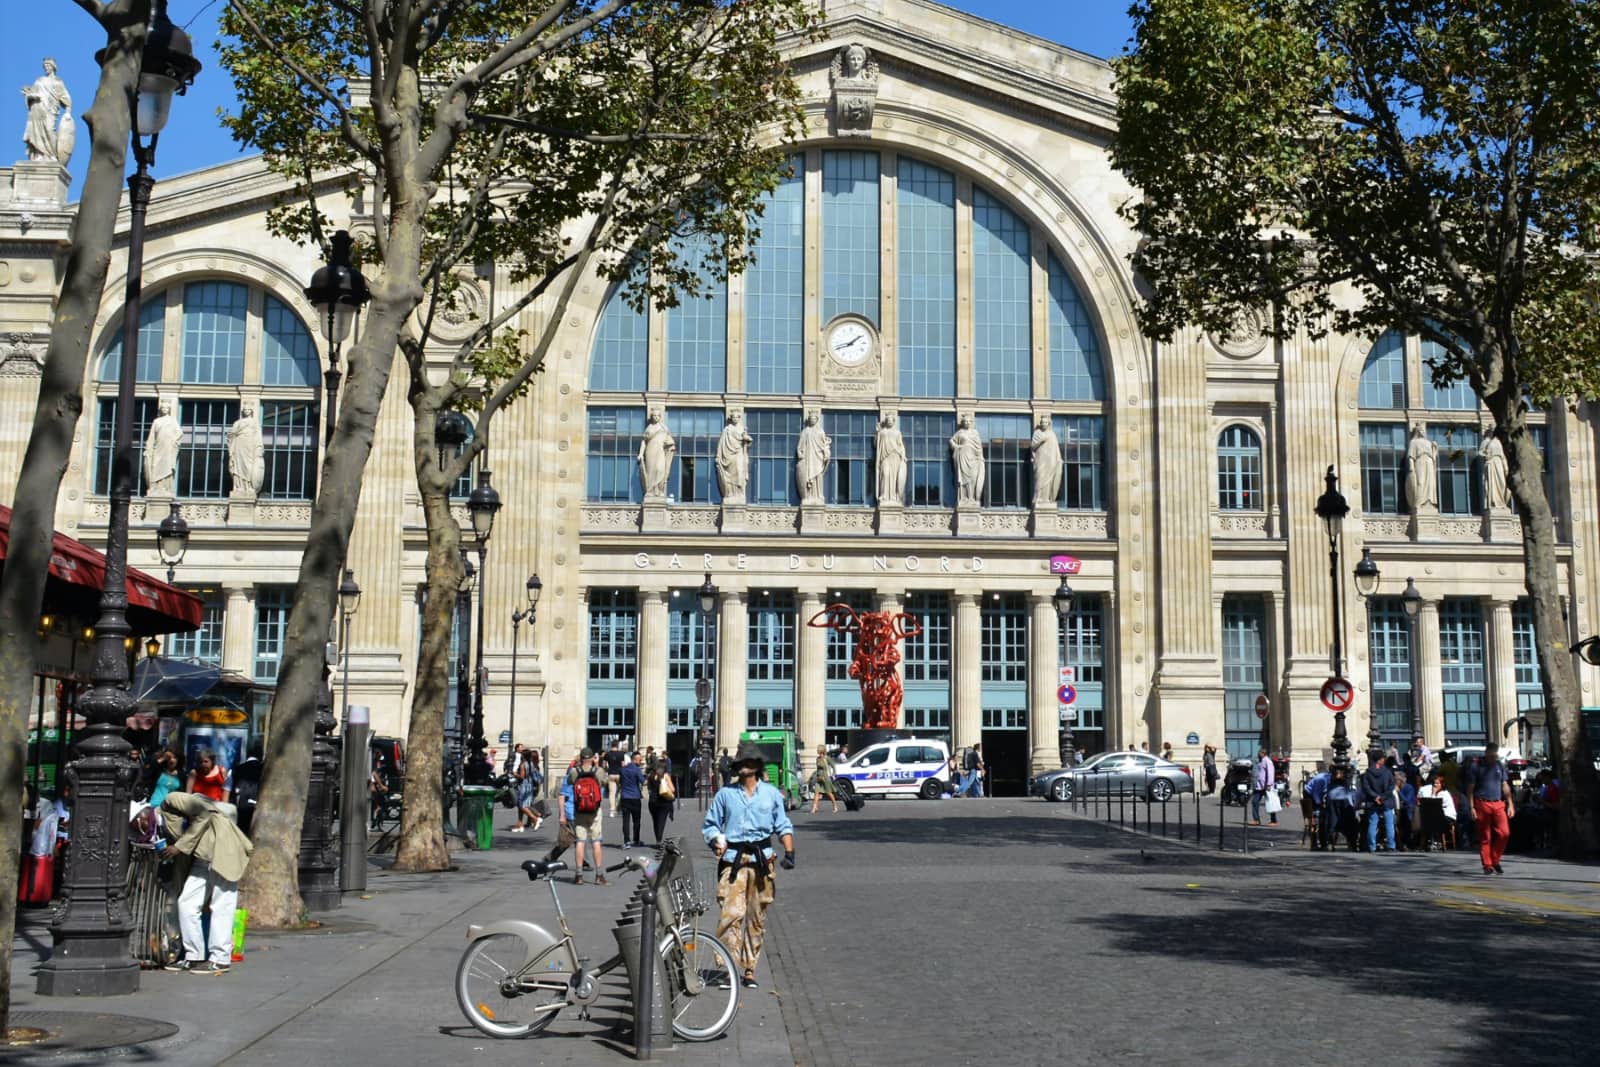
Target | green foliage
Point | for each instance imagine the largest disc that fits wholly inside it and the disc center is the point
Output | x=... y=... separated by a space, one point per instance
x=1426 y=165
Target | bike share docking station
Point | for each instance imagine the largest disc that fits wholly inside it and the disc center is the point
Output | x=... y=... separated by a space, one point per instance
x=649 y=910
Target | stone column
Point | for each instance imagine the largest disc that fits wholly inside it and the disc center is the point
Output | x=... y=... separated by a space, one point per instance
x=239 y=629
x=968 y=680
x=811 y=681
x=1427 y=676
x=1044 y=715
x=651 y=724
x=1502 y=704
x=732 y=668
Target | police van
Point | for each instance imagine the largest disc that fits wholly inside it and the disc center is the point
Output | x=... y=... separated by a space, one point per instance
x=904 y=767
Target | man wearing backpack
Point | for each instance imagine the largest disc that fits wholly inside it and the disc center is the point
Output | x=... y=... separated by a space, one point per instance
x=588 y=783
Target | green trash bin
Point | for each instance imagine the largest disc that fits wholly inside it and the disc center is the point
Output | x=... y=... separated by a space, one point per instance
x=477 y=814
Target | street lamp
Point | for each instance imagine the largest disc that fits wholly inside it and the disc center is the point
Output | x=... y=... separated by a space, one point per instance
x=349 y=600
x=482 y=505
x=90 y=934
x=172 y=540
x=1063 y=602
x=702 y=690
x=463 y=644
x=338 y=291
x=152 y=648
x=1411 y=601
x=1331 y=509
x=1366 y=574
x=535 y=587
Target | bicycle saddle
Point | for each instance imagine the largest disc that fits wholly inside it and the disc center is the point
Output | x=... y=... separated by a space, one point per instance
x=538 y=869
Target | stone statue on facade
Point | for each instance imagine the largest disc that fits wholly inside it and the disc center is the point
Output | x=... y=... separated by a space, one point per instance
x=1495 y=488
x=1046 y=464
x=733 y=459
x=655 y=457
x=1422 y=470
x=854 y=76
x=966 y=451
x=813 y=453
x=246 y=462
x=161 y=453
x=891 y=449
x=50 y=134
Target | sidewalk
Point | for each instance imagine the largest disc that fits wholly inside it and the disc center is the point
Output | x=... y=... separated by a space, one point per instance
x=375 y=984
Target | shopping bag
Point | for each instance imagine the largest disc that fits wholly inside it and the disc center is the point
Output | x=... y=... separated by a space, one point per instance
x=241 y=919
x=1274 y=805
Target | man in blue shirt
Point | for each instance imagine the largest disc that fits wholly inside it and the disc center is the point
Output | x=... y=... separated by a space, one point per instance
x=739 y=827
x=1316 y=791
x=1488 y=790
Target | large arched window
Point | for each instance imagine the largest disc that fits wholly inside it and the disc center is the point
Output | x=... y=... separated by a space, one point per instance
x=1456 y=396
x=964 y=301
x=1383 y=377
x=1239 y=470
x=213 y=347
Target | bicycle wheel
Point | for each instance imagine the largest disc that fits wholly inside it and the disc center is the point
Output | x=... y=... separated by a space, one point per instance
x=704 y=981
x=493 y=995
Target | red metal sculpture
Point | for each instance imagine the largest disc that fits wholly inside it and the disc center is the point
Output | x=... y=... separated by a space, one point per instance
x=877 y=636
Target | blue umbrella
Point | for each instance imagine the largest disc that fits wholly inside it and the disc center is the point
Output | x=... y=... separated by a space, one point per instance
x=160 y=680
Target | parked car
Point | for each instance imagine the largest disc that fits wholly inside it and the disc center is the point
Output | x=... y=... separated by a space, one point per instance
x=1516 y=764
x=905 y=767
x=1136 y=773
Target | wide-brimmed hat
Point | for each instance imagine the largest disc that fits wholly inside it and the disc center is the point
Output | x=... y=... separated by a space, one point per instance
x=749 y=752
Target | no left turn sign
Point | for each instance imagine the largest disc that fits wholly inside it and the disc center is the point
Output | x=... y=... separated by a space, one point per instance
x=1338 y=694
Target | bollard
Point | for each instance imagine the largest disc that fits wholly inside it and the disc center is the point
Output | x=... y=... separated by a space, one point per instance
x=1222 y=830
x=1180 y=817
x=643 y=1001
x=1197 y=817
x=1164 y=817
x=1244 y=824
x=1148 y=814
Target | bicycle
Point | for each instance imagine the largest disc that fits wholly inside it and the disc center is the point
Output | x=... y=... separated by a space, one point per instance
x=515 y=977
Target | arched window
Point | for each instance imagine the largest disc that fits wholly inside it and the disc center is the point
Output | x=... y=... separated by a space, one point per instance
x=774 y=303
x=1239 y=470
x=238 y=346
x=1457 y=396
x=1002 y=345
x=621 y=348
x=1383 y=377
x=697 y=329
x=926 y=217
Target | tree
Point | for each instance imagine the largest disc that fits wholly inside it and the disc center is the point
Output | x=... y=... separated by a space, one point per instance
x=1365 y=165
x=55 y=420
x=555 y=137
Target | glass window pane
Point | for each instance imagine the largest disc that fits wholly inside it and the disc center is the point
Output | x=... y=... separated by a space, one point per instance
x=272 y=622
x=611 y=458
x=1383 y=377
x=697 y=329
x=930 y=476
x=1008 y=460
x=213 y=332
x=144 y=413
x=849 y=478
x=205 y=644
x=1083 y=471
x=1075 y=369
x=1457 y=396
x=773 y=437
x=775 y=290
x=851 y=245
x=289 y=447
x=288 y=354
x=152 y=322
x=1383 y=468
x=620 y=360
x=203 y=455
x=1243 y=669
x=1002 y=323
x=1239 y=470
x=693 y=477
x=926 y=218
x=1460 y=486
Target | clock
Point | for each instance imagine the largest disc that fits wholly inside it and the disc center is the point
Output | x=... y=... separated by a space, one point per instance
x=851 y=341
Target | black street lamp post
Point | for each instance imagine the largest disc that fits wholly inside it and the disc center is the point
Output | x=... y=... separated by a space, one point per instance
x=338 y=292
x=172 y=541
x=1331 y=509
x=1411 y=600
x=483 y=504
x=90 y=934
x=704 y=722
x=469 y=574
x=349 y=601
x=1063 y=602
x=535 y=587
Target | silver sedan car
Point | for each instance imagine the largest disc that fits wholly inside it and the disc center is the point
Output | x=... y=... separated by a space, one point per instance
x=1137 y=774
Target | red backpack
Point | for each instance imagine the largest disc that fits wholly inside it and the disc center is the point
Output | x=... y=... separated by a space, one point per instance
x=586 y=795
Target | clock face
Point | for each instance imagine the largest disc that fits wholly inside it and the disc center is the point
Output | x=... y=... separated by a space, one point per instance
x=849 y=343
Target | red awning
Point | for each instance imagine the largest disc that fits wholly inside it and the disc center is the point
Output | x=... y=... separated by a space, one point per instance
x=154 y=607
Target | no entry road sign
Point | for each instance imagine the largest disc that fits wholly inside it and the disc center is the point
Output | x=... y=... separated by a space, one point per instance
x=1338 y=694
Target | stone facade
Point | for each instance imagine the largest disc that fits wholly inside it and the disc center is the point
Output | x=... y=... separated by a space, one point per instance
x=1011 y=117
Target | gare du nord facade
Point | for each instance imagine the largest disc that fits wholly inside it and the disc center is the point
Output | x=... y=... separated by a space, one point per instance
x=952 y=201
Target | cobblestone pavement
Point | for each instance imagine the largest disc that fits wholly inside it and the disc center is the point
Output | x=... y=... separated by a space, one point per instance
x=974 y=931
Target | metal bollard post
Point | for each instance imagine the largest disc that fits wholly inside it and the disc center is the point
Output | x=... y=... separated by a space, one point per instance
x=1164 y=816
x=643 y=1003
x=1222 y=829
x=1244 y=824
x=1148 y=814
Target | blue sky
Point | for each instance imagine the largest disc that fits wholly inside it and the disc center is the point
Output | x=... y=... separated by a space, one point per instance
x=195 y=139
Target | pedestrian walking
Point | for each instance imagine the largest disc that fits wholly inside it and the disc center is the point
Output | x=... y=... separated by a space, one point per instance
x=615 y=760
x=822 y=781
x=246 y=785
x=1166 y=751
x=739 y=827
x=1492 y=807
x=1208 y=763
x=725 y=768
x=972 y=772
x=1264 y=789
x=1378 y=796
x=661 y=793
x=631 y=786
x=524 y=780
x=212 y=856
x=588 y=782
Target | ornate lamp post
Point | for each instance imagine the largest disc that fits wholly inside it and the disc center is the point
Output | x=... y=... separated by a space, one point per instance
x=349 y=601
x=1331 y=509
x=90 y=934
x=535 y=587
x=172 y=541
x=1063 y=602
x=483 y=504
x=703 y=719
x=469 y=574
x=1411 y=601
x=338 y=292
